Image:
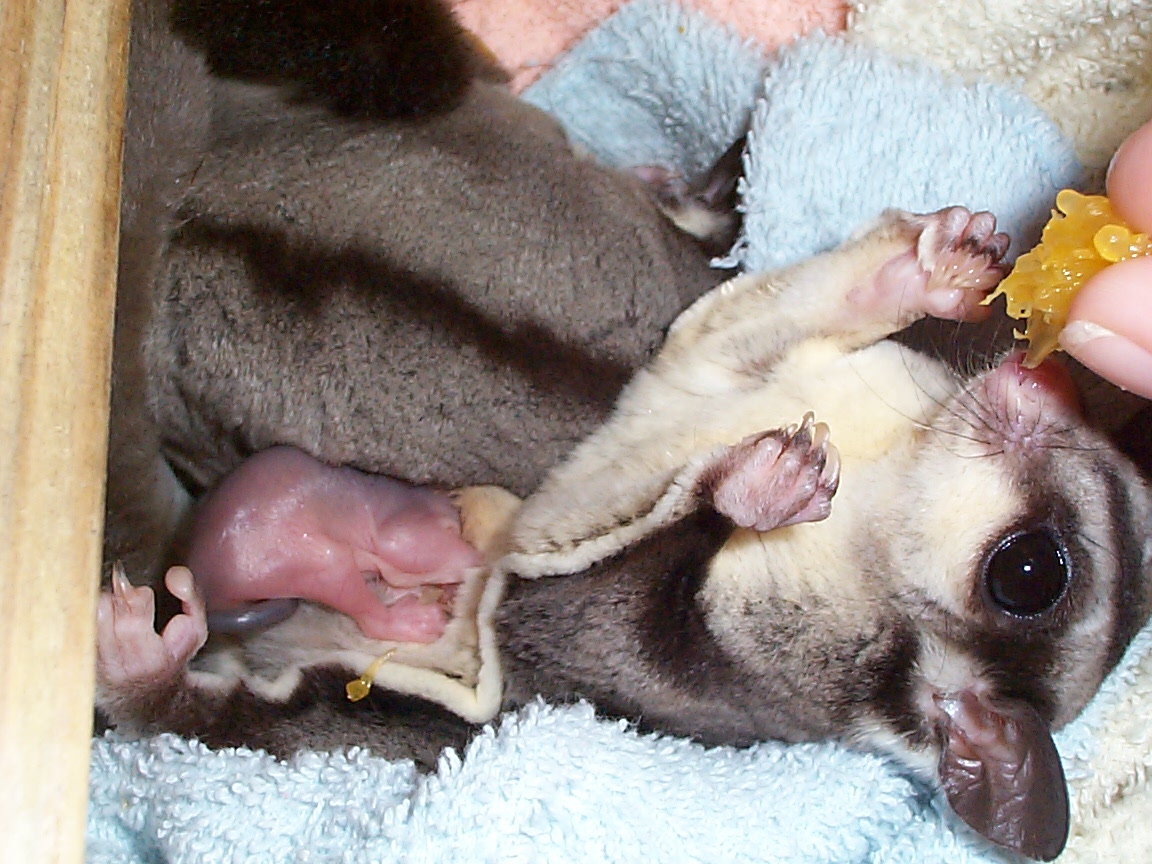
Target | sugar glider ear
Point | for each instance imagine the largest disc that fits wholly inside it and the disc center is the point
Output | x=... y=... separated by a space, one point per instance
x=1002 y=775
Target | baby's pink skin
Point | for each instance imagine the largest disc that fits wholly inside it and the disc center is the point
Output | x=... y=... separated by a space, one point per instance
x=285 y=525
x=1109 y=325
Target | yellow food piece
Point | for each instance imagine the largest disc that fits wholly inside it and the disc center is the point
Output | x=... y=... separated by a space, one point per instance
x=1083 y=237
x=360 y=688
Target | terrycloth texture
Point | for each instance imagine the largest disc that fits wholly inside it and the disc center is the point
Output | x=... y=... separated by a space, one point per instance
x=559 y=785
x=1088 y=63
x=655 y=84
x=839 y=131
x=527 y=36
x=844 y=131
x=1107 y=754
x=551 y=785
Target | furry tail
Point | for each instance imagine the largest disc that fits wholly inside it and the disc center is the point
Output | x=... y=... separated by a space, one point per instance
x=380 y=59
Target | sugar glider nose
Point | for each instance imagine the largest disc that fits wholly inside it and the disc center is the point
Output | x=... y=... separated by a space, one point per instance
x=1049 y=379
x=1023 y=397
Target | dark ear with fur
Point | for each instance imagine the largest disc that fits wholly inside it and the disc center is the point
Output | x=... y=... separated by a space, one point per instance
x=379 y=59
x=1002 y=775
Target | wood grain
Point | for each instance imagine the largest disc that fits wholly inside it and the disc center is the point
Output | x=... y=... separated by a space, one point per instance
x=62 y=69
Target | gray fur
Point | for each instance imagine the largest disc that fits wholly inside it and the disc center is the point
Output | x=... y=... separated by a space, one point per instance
x=451 y=303
x=166 y=131
x=452 y=298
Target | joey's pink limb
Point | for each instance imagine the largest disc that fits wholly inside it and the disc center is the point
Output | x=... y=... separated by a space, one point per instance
x=130 y=653
x=777 y=478
x=953 y=261
x=285 y=525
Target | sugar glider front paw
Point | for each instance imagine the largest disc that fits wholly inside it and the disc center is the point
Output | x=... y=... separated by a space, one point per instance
x=130 y=654
x=777 y=478
x=961 y=253
x=954 y=259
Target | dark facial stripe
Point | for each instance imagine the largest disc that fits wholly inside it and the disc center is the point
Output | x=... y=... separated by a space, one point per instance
x=883 y=680
x=1128 y=598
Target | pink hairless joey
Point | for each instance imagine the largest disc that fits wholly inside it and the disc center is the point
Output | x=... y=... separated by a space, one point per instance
x=284 y=526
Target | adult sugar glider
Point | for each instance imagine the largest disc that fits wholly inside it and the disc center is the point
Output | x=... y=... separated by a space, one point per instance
x=388 y=61
x=343 y=235
x=948 y=582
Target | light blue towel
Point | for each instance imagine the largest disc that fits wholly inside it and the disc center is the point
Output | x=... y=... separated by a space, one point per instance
x=655 y=84
x=552 y=785
x=844 y=131
x=548 y=785
x=838 y=133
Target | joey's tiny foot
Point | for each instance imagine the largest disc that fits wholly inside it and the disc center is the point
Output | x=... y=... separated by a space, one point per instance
x=129 y=651
x=955 y=259
x=776 y=478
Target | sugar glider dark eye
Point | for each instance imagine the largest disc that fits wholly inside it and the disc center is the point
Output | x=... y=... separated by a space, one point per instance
x=1027 y=573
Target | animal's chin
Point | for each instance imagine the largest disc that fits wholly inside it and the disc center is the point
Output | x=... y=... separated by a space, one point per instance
x=1001 y=773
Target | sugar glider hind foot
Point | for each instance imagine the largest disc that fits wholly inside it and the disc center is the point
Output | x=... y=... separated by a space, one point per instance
x=138 y=671
x=130 y=653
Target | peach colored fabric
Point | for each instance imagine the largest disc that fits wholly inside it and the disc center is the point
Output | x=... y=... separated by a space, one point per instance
x=527 y=36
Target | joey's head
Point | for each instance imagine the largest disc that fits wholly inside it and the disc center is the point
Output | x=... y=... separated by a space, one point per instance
x=1021 y=565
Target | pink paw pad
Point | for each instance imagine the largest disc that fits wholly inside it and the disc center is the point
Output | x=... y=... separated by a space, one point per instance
x=129 y=651
x=961 y=254
x=776 y=478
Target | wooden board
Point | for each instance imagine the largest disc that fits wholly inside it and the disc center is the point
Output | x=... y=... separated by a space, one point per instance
x=62 y=70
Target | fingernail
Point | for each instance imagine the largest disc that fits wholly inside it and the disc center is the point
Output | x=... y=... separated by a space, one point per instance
x=1080 y=333
x=1112 y=356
